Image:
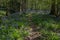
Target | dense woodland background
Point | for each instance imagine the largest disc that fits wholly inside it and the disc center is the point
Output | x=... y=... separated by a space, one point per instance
x=19 y=18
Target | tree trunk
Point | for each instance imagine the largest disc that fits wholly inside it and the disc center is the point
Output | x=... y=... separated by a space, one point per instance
x=23 y=6
x=7 y=12
x=54 y=8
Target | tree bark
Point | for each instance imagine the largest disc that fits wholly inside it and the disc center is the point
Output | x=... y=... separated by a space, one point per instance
x=23 y=6
x=54 y=8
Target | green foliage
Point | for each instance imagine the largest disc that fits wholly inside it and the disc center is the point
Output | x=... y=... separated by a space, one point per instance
x=2 y=13
x=49 y=35
x=10 y=33
x=17 y=26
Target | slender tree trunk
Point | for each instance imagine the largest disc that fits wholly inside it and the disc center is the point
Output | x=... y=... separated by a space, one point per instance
x=23 y=6
x=7 y=12
x=7 y=9
x=54 y=8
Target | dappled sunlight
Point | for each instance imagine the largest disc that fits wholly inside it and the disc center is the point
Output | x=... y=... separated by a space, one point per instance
x=19 y=27
x=29 y=20
x=2 y=13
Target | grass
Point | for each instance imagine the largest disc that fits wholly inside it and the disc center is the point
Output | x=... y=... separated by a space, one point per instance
x=2 y=13
x=16 y=27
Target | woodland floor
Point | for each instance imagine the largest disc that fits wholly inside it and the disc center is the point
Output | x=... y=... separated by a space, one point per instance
x=17 y=26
